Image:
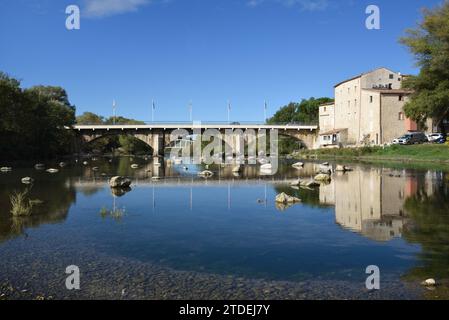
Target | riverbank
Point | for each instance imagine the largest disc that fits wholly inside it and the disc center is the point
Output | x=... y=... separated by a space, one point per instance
x=425 y=153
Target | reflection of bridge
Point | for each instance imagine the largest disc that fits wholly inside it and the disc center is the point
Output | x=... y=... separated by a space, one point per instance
x=157 y=136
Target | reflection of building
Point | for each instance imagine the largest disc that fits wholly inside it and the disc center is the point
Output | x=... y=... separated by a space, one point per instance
x=368 y=109
x=370 y=202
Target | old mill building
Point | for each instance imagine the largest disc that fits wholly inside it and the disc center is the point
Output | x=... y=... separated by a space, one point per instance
x=368 y=109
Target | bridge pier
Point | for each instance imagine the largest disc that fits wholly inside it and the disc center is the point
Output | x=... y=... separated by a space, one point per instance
x=158 y=144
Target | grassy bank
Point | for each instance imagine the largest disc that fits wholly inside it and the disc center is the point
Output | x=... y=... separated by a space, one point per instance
x=414 y=153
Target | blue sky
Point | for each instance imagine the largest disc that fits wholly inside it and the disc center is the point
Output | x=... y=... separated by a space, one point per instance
x=204 y=51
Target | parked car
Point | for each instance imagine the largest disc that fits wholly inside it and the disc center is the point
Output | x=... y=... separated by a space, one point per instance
x=411 y=138
x=435 y=137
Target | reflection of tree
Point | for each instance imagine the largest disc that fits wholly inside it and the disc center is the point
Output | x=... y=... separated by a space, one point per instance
x=56 y=197
x=430 y=216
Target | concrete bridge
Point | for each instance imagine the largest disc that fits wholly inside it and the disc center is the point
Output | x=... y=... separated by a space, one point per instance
x=157 y=135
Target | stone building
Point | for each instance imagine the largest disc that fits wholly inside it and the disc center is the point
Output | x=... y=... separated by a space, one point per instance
x=368 y=109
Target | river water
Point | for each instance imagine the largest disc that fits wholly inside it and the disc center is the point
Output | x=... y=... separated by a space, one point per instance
x=186 y=237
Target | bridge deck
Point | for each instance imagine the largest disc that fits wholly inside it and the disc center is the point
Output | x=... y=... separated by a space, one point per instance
x=166 y=126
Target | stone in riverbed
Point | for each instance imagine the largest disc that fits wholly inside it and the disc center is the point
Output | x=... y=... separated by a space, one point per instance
x=429 y=283
x=27 y=180
x=237 y=168
x=285 y=198
x=298 y=165
x=206 y=173
x=341 y=168
x=322 y=177
x=119 y=182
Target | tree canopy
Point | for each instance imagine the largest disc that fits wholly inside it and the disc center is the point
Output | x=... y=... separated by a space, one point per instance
x=305 y=111
x=33 y=120
x=429 y=43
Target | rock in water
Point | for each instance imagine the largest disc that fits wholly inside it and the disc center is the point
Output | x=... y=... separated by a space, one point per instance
x=39 y=166
x=429 y=283
x=27 y=180
x=206 y=173
x=119 y=182
x=51 y=170
x=298 y=165
x=322 y=177
x=285 y=198
x=237 y=169
x=341 y=168
x=134 y=166
x=62 y=164
x=5 y=169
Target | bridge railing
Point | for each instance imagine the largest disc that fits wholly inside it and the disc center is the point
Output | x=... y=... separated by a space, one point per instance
x=252 y=123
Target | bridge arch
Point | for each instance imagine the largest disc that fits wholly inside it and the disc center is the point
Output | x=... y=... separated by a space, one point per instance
x=83 y=141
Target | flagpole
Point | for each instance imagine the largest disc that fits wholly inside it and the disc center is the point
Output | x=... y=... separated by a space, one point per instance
x=152 y=110
x=191 y=111
x=229 y=111
x=265 y=111
x=113 y=111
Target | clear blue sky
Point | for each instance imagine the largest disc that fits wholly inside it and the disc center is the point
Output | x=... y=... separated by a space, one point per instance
x=207 y=51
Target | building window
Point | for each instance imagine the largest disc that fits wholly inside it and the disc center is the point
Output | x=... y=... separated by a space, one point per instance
x=370 y=99
x=401 y=116
x=324 y=109
x=401 y=98
x=391 y=76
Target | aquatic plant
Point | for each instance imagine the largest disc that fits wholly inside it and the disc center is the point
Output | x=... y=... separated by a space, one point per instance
x=116 y=214
x=21 y=205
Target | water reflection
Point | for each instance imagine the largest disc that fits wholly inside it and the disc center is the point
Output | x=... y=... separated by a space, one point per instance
x=230 y=224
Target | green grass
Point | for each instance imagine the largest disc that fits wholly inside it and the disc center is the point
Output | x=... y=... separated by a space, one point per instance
x=423 y=152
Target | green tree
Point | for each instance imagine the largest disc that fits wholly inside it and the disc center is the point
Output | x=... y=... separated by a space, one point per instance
x=89 y=118
x=304 y=112
x=33 y=121
x=429 y=43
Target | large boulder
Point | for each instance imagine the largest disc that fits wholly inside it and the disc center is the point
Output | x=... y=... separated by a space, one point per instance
x=119 y=182
x=321 y=177
x=286 y=199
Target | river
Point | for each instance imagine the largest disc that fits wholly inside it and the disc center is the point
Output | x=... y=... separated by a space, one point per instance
x=187 y=237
